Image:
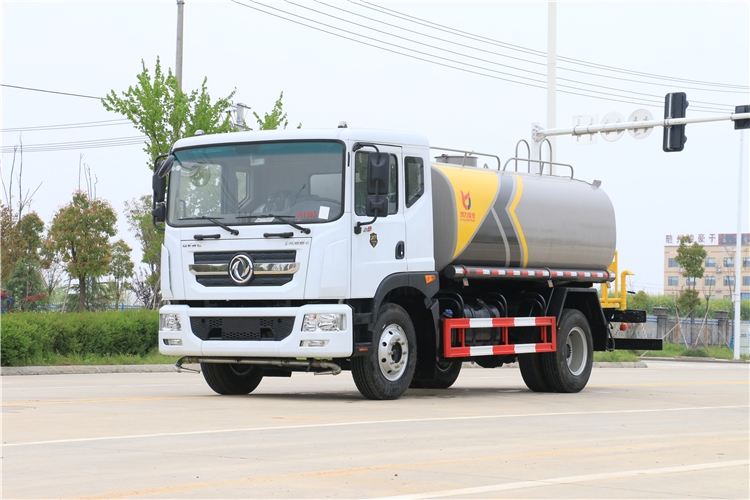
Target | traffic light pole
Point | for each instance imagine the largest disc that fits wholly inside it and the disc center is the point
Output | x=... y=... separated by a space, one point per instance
x=539 y=134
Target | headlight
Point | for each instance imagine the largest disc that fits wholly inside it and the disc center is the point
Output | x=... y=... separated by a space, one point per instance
x=170 y=322
x=325 y=322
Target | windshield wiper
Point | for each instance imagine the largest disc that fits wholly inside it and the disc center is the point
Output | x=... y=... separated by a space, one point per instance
x=305 y=230
x=214 y=220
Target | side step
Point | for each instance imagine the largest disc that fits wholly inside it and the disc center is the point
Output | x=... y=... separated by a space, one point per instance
x=547 y=336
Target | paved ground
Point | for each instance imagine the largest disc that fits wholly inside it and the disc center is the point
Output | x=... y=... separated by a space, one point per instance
x=674 y=430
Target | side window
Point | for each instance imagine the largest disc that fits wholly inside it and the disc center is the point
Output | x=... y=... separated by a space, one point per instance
x=414 y=178
x=360 y=184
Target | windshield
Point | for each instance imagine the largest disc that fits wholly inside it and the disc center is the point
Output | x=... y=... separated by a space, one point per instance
x=249 y=183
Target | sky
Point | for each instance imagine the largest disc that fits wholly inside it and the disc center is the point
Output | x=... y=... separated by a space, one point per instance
x=477 y=82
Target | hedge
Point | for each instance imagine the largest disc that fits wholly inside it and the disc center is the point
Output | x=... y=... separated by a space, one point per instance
x=28 y=337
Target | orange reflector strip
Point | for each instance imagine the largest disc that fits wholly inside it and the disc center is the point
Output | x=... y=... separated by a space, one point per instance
x=429 y=278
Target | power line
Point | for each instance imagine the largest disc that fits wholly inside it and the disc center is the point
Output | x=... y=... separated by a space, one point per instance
x=49 y=91
x=658 y=97
x=652 y=103
x=539 y=53
x=65 y=126
x=64 y=146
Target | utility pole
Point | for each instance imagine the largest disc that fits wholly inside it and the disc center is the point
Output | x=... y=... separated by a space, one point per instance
x=551 y=79
x=178 y=70
x=738 y=257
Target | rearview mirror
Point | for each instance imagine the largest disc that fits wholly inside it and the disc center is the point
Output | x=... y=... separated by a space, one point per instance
x=159 y=186
x=159 y=213
x=378 y=173
x=377 y=206
x=163 y=168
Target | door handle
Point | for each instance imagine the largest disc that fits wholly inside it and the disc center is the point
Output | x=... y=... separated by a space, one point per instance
x=400 y=250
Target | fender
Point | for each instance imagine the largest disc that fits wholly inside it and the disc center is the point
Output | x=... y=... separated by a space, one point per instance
x=585 y=300
x=366 y=309
x=416 y=280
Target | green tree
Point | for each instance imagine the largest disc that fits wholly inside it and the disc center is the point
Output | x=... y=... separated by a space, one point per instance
x=20 y=238
x=138 y=215
x=691 y=258
x=121 y=269
x=275 y=119
x=159 y=109
x=80 y=233
x=25 y=285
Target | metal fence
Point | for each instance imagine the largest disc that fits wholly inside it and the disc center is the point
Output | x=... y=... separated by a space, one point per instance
x=57 y=306
x=709 y=332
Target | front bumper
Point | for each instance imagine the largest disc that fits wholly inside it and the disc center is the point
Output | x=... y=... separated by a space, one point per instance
x=298 y=344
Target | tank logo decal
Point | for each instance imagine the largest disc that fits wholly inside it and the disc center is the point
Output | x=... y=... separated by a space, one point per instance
x=466 y=200
x=519 y=230
x=475 y=192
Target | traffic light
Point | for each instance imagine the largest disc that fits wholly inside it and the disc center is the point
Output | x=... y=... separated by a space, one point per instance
x=740 y=124
x=675 y=105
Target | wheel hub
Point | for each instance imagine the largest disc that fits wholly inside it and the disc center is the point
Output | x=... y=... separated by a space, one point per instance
x=576 y=351
x=393 y=352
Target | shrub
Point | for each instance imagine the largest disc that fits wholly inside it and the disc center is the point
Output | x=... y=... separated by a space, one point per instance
x=29 y=338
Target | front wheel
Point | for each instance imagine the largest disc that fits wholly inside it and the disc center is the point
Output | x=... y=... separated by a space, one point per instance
x=569 y=369
x=226 y=378
x=385 y=373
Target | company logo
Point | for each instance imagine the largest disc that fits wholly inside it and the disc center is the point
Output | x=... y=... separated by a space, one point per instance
x=466 y=200
x=466 y=215
x=374 y=240
x=241 y=268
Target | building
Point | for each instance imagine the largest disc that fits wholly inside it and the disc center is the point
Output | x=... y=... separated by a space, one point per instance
x=718 y=275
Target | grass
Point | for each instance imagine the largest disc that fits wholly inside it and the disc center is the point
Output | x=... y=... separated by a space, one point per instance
x=152 y=358
x=673 y=351
x=615 y=356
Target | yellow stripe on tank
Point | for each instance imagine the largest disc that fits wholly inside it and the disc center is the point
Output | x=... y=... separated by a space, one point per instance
x=475 y=191
x=519 y=230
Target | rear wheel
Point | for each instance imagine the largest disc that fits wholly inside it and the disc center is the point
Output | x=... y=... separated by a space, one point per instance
x=531 y=366
x=569 y=369
x=446 y=374
x=385 y=373
x=226 y=378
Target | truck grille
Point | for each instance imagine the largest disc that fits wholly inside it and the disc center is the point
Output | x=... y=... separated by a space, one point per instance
x=273 y=328
x=278 y=256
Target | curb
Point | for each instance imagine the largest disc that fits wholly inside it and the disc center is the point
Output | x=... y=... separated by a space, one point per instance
x=86 y=369
x=691 y=359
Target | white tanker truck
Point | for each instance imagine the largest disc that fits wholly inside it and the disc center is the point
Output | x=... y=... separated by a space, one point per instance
x=351 y=249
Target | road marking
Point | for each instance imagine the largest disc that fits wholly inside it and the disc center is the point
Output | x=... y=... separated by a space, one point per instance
x=103 y=386
x=350 y=471
x=675 y=384
x=368 y=422
x=570 y=480
x=99 y=400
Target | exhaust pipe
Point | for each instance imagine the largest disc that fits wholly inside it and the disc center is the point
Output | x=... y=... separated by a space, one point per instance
x=321 y=367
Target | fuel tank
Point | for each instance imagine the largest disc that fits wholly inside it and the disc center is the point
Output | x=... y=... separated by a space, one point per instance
x=509 y=219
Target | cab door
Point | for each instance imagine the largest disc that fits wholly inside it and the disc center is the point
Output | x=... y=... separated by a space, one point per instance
x=380 y=249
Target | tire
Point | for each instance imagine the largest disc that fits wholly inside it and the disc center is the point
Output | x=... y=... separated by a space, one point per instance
x=446 y=373
x=226 y=378
x=533 y=373
x=531 y=367
x=569 y=369
x=387 y=371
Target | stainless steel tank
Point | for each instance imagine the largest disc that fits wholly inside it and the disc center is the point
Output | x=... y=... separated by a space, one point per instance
x=509 y=219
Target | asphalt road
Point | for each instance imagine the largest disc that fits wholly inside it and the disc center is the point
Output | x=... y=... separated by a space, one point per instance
x=673 y=430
